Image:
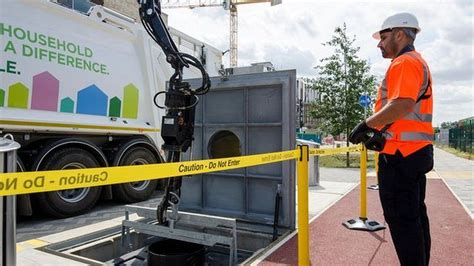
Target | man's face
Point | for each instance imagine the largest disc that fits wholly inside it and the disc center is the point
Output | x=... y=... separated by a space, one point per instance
x=388 y=44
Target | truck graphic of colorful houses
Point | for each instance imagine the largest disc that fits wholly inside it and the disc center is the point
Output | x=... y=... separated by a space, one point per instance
x=90 y=100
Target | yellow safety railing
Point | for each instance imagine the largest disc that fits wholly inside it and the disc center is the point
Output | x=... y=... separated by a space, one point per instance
x=303 y=216
x=302 y=167
x=363 y=183
x=44 y=181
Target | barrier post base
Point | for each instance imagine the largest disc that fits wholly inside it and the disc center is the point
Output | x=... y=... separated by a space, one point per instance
x=363 y=224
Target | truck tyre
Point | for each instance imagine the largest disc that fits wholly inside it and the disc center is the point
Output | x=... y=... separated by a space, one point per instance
x=136 y=191
x=71 y=202
x=23 y=203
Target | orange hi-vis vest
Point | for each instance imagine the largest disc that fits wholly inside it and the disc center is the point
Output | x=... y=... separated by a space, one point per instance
x=408 y=76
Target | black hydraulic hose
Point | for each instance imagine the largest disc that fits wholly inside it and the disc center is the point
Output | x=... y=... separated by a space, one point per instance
x=277 y=212
x=206 y=82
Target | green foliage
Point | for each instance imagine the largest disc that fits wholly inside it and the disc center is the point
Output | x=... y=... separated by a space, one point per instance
x=343 y=78
x=448 y=125
x=340 y=161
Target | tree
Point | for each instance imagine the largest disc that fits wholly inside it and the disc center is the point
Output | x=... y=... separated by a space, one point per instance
x=343 y=78
x=448 y=124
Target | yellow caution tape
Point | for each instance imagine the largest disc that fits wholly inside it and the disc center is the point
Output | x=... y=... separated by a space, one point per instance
x=44 y=181
x=326 y=152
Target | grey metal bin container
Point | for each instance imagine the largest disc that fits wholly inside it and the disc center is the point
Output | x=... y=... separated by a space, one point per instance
x=313 y=175
x=256 y=112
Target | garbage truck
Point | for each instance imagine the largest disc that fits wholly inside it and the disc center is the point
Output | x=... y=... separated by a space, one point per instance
x=76 y=91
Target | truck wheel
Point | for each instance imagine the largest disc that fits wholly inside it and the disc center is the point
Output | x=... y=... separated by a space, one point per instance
x=136 y=191
x=70 y=202
x=23 y=202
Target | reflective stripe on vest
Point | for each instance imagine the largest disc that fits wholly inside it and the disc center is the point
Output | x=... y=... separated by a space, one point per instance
x=411 y=136
x=419 y=117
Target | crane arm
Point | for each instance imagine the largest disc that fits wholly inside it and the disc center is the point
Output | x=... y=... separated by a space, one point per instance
x=177 y=126
x=150 y=11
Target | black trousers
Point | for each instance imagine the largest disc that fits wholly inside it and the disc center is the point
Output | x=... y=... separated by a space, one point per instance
x=402 y=186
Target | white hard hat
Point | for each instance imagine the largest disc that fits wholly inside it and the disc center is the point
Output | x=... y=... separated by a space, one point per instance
x=400 y=20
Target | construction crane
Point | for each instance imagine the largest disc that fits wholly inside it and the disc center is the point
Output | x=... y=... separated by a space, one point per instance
x=230 y=5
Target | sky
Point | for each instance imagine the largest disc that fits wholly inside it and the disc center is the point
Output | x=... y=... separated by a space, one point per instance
x=290 y=35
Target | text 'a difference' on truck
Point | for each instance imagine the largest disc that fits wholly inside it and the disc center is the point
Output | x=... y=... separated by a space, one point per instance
x=76 y=91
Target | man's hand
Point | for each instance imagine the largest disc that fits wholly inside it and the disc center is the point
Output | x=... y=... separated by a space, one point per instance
x=359 y=133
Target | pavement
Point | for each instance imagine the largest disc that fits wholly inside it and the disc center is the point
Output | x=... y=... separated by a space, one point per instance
x=449 y=199
x=458 y=173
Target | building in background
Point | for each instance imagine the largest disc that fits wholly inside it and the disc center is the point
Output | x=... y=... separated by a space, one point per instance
x=305 y=97
x=443 y=136
x=253 y=68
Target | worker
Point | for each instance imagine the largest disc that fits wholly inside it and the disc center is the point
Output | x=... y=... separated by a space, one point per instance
x=403 y=114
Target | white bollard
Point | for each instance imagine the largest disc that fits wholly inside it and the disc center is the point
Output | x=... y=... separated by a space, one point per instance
x=8 y=148
x=313 y=176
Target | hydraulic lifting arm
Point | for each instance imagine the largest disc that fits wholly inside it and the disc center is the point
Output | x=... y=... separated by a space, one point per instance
x=177 y=126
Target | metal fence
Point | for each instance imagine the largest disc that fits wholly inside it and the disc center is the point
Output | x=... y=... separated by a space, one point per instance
x=460 y=137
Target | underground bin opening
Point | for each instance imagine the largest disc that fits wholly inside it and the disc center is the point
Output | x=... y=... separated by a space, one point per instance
x=175 y=252
x=224 y=144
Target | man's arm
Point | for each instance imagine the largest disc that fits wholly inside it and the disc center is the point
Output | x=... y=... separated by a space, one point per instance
x=392 y=111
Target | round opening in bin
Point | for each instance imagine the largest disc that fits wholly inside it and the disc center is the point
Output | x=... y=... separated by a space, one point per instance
x=175 y=252
x=223 y=144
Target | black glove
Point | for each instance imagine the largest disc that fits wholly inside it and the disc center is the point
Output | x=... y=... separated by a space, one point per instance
x=376 y=142
x=359 y=133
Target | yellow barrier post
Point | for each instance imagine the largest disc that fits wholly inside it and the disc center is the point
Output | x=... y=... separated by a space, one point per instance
x=303 y=216
x=363 y=223
x=363 y=184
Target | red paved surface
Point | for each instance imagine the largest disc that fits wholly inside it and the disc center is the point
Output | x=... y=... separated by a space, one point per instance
x=332 y=244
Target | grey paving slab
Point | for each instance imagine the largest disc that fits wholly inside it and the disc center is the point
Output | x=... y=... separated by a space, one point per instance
x=458 y=173
x=445 y=161
x=322 y=196
x=345 y=175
